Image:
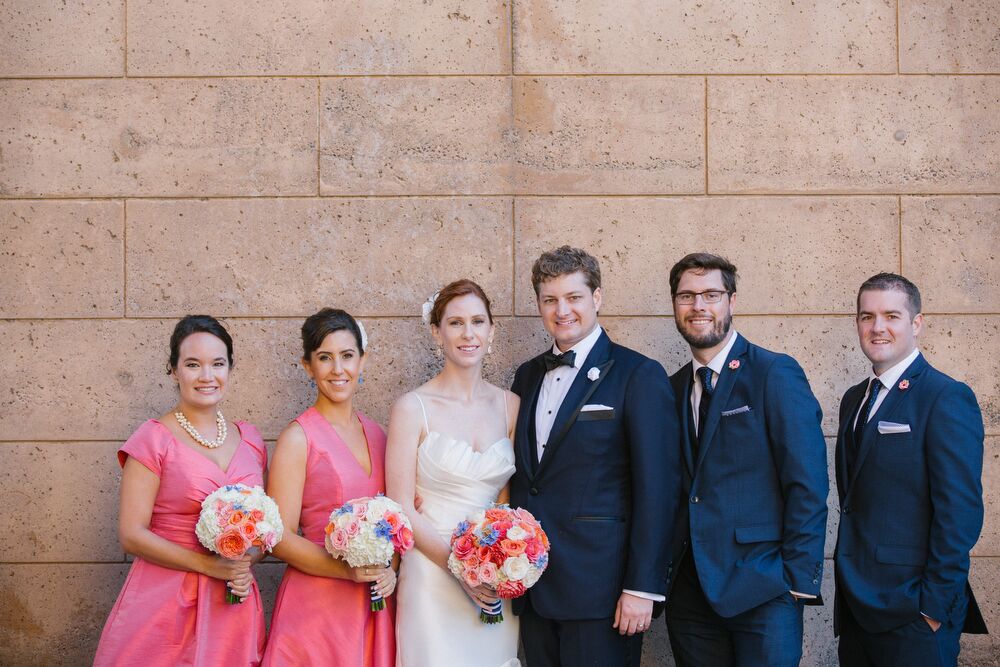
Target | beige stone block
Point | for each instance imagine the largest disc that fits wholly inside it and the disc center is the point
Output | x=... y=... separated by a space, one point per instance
x=57 y=480
x=712 y=37
x=415 y=135
x=983 y=650
x=107 y=393
x=34 y=38
x=989 y=539
x=289 y=257
x=788 y=250
x=949 y=37
x=914 y=134
x=964 y=347
x=950 y=251
x=615 y=135
x=53 y=614
x=317 y=37
x=130 y=137
x=61 y=259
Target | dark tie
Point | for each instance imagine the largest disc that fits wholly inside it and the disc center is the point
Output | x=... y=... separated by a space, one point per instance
x=866 y=411
x=705 y=375
x=553 y=360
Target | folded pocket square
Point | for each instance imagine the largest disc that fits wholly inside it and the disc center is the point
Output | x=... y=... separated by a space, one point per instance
x=736 y=411
x=595 y=406
x=892 y=427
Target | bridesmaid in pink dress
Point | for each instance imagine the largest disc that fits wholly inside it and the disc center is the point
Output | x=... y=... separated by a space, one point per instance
x=172 y=609
x=330 y=454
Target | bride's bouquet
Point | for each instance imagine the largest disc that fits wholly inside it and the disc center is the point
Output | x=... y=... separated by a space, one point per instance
x=235 y=518
x=503 y=548
x=367 y=531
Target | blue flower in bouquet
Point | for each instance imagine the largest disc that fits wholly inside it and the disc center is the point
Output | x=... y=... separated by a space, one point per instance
x=488 y=537
x=460 y=530
x=383 y=530
x=346 y=509
x=542 y=561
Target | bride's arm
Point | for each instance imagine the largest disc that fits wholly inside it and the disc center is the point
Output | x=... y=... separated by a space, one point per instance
x=513 y=403
x=405 y=429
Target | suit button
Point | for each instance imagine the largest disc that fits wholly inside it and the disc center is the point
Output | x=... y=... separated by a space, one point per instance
x=694 y=499
x=533 y=491
x=815 y=581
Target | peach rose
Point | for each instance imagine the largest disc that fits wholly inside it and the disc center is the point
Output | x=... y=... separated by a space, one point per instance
x=257 y=515
x=533 y=549
x=403 y=540
x=249 y=529
x=232 y=544
x=337 y=540
x=488 y=574
x=511 y=589
x=471 y=576
x=463 y=547
x=513 y=547
x=236 y=517
x=495 y=514
x=353 y=528
x=393 y=520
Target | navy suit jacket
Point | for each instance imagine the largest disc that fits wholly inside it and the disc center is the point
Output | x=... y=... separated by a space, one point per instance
x=912 y=506
x=754 y=512
x=607 y=487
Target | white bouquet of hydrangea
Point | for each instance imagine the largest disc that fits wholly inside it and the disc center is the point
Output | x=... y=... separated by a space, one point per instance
x=367 y=531
x=235 y=518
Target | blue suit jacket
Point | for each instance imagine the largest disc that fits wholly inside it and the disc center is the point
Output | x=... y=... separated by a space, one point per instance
x=607 y=487
x=912 y=506
x=755 y=500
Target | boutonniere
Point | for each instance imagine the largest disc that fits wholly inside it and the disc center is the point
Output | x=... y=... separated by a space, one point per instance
x=593 y=374
x=734 y=364
x=904 y=385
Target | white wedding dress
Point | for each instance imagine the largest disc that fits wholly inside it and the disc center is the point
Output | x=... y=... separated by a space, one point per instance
x=437 y=625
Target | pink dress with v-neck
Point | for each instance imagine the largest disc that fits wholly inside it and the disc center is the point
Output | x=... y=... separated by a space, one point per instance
x=166 y=617
x=319 y=620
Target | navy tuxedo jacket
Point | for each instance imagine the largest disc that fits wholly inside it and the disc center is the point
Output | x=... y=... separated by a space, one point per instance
x=912 y=506
x=754 y=512
x=607 y=488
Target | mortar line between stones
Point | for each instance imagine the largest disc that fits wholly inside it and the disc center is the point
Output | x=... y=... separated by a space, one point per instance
x=567 y=75
x=513 y=257
x=495 y=195
x=124 y=258
x=510 y=32
x=125 y=37
x=899 y=216
x=706 y=135
x=897 y=37
x=319 y=113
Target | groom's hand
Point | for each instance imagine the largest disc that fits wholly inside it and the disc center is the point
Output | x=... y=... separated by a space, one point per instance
x=632 y=614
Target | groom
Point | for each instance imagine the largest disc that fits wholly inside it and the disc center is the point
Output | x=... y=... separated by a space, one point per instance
x=598 y=463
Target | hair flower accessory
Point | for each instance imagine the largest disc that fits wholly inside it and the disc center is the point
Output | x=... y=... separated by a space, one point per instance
x=734 y=364
x=904 y=385
x=364 y=335
x=427 y=307
x=593 y=374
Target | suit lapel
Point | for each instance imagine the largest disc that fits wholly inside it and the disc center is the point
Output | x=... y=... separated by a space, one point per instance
x=853 y=403
x=579 y=393
x=892 y=399
x=723 y=388
x=526 y=437
x=682 y=390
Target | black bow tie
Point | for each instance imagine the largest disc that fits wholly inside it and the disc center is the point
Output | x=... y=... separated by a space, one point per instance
x=553 y=360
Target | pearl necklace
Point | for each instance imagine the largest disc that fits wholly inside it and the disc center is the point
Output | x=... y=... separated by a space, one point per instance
x=223 y=430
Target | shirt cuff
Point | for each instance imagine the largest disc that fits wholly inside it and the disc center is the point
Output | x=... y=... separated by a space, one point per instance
x=655 y=597
x=803 y=595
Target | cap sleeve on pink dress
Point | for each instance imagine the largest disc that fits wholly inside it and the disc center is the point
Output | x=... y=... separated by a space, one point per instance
x=147 y=445
x=253 y=437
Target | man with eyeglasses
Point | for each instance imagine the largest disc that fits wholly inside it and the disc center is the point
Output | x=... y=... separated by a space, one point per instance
x=748 y=547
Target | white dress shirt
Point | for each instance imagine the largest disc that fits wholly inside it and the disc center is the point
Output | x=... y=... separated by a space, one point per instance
x=888 y=379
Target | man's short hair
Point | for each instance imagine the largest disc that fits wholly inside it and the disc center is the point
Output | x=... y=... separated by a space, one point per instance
x=562 y=261
x=892 y=281
x=700 y=263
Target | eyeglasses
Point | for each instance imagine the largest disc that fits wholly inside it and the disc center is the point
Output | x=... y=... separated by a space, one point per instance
x=708 y=296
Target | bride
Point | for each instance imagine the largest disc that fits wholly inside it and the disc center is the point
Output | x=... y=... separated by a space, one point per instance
x=450 y=445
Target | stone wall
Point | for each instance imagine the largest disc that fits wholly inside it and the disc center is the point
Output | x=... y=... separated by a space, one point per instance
x=259 y=159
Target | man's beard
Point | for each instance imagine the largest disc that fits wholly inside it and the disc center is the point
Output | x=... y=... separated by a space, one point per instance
x=719 y=331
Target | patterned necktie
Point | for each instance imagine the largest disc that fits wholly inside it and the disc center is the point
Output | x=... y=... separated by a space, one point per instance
x=705 y=376
x=553 y=360
x=866 y=411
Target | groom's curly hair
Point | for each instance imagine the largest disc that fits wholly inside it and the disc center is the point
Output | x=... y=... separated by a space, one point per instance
x=562 y=261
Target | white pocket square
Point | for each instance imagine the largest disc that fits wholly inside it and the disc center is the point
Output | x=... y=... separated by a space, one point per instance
x=595 y=406
x=892 y=427
x=736 y=411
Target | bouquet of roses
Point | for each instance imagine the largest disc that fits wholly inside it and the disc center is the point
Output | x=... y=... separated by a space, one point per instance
x=367 y=531
x=235 y=518
x=503 y=548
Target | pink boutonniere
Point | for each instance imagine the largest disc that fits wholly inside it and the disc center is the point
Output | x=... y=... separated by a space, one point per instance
x=904 y=385
x=734 y=364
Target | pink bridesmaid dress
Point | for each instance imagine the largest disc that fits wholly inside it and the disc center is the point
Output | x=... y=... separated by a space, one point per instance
x=166 y=617
x=319 y=620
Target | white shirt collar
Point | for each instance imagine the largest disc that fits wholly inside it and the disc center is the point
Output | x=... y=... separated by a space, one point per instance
x=583 y=348
x=719 y=360
x=891 y=375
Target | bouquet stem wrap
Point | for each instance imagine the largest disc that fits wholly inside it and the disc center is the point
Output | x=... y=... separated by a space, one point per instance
x=494 y=615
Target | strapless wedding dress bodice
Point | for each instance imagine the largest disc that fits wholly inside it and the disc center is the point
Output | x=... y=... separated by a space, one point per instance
x=436 y=622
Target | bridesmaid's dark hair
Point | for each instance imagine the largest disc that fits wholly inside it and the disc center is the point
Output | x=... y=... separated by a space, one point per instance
x=453 y=290
x=320 y=325
x=193 y=324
